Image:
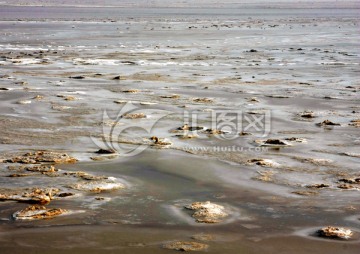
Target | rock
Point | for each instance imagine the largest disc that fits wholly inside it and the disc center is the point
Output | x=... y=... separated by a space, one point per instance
x=187 y=136
x=263 y=162
x=273 y=142
x=318 y=186
x=253 y=99
x=186 y=127
x=203 y=100
x=243 y=133
x=160 y=142
x=207 y=212
x=172 y=96
x=327 y=123
x=186 y=246
x=214 y=132
x=65 y=194
x=38 y=212
x=4 y=89
x=67 y=97
x=134 y=116
x=106 y=151
x=294 y=139
x=131 y=91
x=335 y=233
x=117 y=78
x=77 y=77
x=350 y=180
x=42 y=157
x=307 y=114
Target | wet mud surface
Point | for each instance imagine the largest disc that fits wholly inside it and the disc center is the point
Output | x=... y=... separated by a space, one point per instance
x=65 y=183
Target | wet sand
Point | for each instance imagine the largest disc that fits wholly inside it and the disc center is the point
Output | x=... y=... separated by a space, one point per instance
x=60 y=72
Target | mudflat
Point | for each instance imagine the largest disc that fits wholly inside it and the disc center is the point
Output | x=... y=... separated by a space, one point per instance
x=149 y=130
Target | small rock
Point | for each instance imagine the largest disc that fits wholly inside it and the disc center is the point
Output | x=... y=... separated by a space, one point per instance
x=172 y=96
x=318 y=186
x=294 y=139
x=327 y=123
x=203 y=100
x=243 y=133
x=207 y=212
x=350 y=180
x=160 y=142
x=77 y=77
x=105 y=151
x=263 y=162
x=186 y=246
x=131 y=91
x=273 y=142
x=65 y=194
x=335 y=232
x=307 y=114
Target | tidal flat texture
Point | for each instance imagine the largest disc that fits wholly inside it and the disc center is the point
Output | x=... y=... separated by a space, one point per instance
x=142 y=129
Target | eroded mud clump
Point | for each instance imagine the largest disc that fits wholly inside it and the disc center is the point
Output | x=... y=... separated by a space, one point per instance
x=207 y=212
x=186 y=246
x=160 y=141
x=97 y=186
x=273 y=142
x=327 y=123
x=350 y=180
x=307 y=114
x=263 y=162
x=355 y=123
x=203 y=100
x=42 y=157
x=335 y=233
x=37 y=168
x=186 y=127
x=318 y=186
x=35 y=195
x=36 y=212
x=134 y=116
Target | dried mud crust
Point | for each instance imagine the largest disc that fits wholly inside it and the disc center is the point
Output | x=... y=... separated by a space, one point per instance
x=207 y=212
x=42 y=157
x=35 y=195
x=36 y=212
